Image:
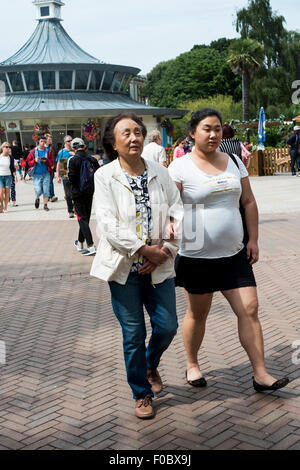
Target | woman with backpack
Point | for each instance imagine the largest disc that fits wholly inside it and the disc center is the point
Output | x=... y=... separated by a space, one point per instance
x=214 y=254
x=82 y=168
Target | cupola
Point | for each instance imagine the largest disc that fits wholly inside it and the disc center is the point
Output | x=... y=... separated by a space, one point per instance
x=48 y=10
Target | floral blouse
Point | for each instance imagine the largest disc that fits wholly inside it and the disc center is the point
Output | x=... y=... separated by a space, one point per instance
x=139 y=186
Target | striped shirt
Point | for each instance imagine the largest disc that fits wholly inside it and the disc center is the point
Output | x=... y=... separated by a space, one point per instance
x=231 y=146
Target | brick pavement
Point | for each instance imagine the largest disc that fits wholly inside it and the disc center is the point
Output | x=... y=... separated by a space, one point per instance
x=64 y=387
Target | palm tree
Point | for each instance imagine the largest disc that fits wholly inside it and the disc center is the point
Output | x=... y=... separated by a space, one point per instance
x=245 y=57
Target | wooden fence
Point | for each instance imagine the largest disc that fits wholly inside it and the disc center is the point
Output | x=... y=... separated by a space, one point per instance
x=262 y=162
x=268 y=162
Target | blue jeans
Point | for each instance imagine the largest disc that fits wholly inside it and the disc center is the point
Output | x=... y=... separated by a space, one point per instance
x=5 y=181
x=127 y=302
x=41 y=184
x=51 y=188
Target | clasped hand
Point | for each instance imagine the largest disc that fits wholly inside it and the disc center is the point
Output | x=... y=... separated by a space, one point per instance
x=156 y=255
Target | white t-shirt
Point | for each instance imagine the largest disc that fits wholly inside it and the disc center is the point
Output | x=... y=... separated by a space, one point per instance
x=154 y=152
x=4 y=166
x=212 y=225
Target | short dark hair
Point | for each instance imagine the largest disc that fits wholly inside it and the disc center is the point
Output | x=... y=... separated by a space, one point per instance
x=228 y=132
x=41 y=137
x=201 y=114
x=108 y=138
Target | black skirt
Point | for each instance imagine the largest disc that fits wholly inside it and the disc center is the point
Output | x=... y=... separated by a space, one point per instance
x=202 y=275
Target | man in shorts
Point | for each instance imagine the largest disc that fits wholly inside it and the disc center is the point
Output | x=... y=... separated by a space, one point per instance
x=42 y=161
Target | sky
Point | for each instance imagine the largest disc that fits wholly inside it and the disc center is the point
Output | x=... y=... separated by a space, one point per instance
x=136 y=33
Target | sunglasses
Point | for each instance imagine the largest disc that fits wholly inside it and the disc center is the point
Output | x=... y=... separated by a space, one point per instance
x=6 y=146
x=68 y=141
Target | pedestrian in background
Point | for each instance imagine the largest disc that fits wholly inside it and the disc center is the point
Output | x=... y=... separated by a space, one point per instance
x=40 y=160
x=178 y=148
x=65 y=154
x=7 y=172
x=49 y=148
x=17 y=153
x=294 y=144
x=154 y=151
x=81 y=176
x=228 y=143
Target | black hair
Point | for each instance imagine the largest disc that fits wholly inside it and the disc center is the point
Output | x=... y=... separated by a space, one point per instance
x=109 y=137
x=41 y=137
x=201 y=114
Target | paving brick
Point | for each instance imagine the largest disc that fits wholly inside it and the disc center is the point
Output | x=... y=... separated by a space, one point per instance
x=65 y=383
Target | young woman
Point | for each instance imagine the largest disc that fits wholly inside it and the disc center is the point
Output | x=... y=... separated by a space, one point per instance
x=7 y=172
x=212 y=255
x=138 y=211
x=179 y=148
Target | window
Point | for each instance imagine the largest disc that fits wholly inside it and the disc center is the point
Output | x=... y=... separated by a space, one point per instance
x=45 y=11
x=16 y=81
x=108 y=81
x=32 y=80
x=4 y=80
x=96 y=80
x=48 y=80
x=125 y=83
x=117 y=82
x=81 y=81
x=65 y=79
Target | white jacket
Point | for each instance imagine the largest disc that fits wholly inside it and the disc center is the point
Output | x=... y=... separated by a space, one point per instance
x=116 y=221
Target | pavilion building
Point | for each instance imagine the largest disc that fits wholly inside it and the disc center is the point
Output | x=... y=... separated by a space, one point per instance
x=52 y=81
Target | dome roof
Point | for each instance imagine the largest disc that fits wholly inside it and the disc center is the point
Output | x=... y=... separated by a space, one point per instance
x=50 y=44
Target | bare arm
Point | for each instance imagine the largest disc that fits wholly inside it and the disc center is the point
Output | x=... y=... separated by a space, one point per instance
x=251 y=216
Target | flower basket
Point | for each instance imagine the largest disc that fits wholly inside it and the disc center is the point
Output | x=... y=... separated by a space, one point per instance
x=91 y=130
x=39 y=130
x=168 y=125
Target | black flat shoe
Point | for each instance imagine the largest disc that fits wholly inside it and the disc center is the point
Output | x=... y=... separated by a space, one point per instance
x=275 y=386
x=196 y=383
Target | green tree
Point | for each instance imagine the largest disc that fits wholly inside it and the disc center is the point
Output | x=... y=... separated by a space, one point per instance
x=229 y=109
x=245 y=57
x=199 y=73
x=258 y=22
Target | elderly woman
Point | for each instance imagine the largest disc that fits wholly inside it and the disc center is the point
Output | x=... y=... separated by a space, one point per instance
x=7 y=172
x=139 y=212
x=215 y=254
x=154 y=150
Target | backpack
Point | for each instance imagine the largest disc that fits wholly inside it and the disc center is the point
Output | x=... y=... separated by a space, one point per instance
x=87 y=171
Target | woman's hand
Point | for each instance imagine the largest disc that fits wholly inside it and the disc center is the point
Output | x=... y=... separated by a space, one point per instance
x=147 y=268
x=154 y=253
x=252 y=252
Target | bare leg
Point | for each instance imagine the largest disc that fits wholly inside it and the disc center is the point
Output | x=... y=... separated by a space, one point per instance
x=46 y=199
x=2 y=190
x=244 y=303
x=6 y=198
x=193 y=329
